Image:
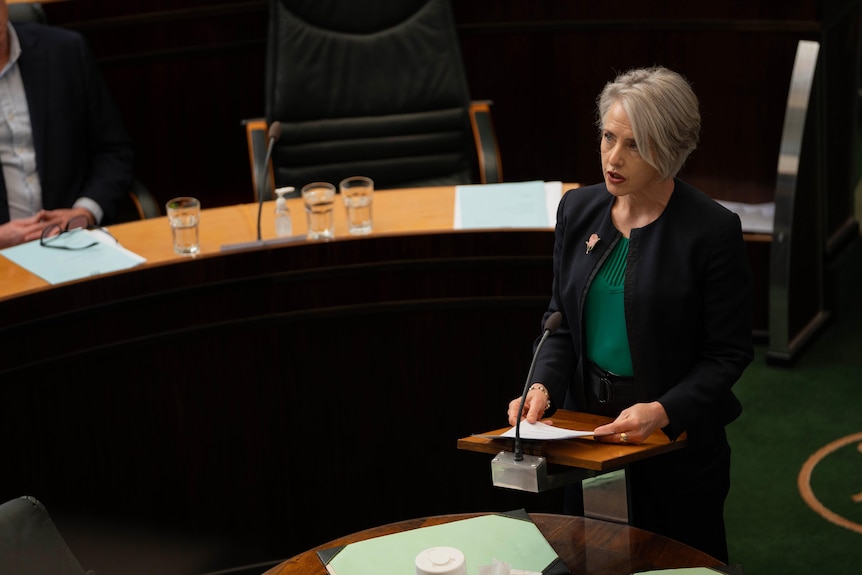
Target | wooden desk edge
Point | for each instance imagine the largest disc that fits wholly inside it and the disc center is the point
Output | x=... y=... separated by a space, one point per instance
x=557 y=529
x=581 y=452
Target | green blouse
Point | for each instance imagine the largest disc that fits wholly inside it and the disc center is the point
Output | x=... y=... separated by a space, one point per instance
x=605 y=320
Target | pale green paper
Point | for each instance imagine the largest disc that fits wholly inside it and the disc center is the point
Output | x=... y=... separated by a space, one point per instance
x=57 y=266
x=506 y=205
x=482 y=539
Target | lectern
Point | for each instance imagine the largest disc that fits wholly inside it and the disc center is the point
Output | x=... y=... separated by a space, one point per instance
x=600 y=467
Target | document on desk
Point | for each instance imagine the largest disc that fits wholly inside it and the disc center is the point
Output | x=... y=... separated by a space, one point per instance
x=103 y=254
x=755 y=218
x=512 y=538
x=539 y=431
x=507 y=205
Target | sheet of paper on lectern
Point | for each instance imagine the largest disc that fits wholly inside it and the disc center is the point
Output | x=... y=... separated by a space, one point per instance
x=540 y=431
x=507 y=205
x=58 y=265
x=512 y=538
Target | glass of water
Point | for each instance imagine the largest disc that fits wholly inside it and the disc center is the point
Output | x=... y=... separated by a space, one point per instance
x=319 y=198
x=184 y=215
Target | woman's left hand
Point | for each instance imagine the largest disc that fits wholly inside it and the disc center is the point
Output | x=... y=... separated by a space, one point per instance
x=634 y=424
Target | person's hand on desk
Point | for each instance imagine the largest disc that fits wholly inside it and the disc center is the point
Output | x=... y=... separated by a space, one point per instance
x=538 y=401
x=27 y=229
x=634 y=424
x=62 y=216
x=20 y=231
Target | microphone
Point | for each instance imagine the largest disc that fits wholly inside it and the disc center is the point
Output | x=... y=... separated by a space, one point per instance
x=552 y=324
x=272 y=137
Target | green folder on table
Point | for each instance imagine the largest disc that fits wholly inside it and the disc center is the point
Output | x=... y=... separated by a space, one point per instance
x=512 y=538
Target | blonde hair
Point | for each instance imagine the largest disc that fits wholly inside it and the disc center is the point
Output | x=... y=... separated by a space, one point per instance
x=663 y=111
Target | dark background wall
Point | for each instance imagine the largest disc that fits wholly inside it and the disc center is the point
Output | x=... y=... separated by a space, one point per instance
x=187 y=72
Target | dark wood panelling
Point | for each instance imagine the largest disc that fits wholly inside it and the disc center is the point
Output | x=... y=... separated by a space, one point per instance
x=246 y=394
x=186 y=73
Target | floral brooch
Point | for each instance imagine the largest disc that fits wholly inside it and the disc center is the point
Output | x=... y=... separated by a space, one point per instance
x=591 y=243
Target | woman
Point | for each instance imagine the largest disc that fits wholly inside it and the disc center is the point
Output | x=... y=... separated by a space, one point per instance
x=653 y=282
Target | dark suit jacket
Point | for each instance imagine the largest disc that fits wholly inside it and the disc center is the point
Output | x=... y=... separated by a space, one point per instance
x=687 y=304
x=82 y=148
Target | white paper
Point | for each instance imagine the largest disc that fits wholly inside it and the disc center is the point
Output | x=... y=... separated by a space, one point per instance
x=542 y=431
x=755 y=218
x=498 y=567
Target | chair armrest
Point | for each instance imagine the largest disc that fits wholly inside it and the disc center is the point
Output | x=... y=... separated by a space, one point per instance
x=144 y=202
x=256 y=134
x=485 y=138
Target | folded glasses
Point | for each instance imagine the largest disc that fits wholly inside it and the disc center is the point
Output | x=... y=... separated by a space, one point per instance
x=68 y=237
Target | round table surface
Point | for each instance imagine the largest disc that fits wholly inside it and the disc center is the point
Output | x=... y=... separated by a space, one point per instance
x=587 y=546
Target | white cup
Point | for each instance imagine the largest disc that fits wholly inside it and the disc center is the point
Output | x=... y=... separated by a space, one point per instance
x=319 y=198
x=184 y=215
x=358 y=193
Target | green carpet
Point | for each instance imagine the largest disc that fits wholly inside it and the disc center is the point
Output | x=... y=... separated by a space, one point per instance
x=791 y=413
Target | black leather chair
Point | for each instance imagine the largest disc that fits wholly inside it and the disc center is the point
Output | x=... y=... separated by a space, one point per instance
x=143 y=202
x=30 y=11
x=369 y=87
x=30 y=543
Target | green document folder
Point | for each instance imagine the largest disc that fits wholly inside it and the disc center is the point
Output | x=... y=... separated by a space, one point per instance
x=512 y=538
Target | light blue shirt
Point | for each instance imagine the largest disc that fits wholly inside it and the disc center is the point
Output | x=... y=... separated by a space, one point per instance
x=17 y=151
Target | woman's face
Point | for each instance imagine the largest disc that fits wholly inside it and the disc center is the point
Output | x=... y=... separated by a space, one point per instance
x=626 y=171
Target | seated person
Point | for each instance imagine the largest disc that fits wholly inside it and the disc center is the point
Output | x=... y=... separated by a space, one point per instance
x=63 y=147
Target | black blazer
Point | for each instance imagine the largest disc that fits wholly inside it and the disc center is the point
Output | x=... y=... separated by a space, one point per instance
x=82 y=148
x=687 y=304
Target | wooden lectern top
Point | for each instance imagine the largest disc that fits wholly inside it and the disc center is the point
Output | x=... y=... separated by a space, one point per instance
x=581 y=452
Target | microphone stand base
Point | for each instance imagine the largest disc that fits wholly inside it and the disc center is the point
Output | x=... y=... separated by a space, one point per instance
x=262 y=243
x=532 y=473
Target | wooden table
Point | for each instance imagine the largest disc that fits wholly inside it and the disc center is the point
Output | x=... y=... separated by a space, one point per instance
x=586 y=546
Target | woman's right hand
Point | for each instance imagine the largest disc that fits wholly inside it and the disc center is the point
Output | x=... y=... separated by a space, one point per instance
x=534 y=406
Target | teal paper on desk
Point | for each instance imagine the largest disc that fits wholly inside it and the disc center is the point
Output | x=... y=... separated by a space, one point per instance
x=506 y=205
x=58 y=265
x=482 y=539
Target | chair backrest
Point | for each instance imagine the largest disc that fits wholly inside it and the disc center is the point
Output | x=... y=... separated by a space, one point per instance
x=30 y=543
x=27 y=12
x=368 y=87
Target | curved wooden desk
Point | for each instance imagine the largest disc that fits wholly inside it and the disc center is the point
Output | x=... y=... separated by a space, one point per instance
x=586 y=546
x=413 y=233
x=238 y=391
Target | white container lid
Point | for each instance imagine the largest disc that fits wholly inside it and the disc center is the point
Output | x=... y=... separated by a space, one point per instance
x=441 y=561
